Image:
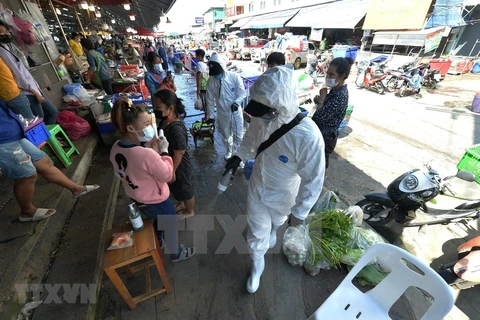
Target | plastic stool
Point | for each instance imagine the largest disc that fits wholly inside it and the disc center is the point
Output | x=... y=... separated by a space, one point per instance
x=62 y=154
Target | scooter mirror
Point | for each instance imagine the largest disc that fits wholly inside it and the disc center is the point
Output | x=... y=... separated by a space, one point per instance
x=465 y=175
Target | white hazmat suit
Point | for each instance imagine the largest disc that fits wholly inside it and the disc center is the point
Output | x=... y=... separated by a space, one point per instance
x=223 y=93
x=288 y=176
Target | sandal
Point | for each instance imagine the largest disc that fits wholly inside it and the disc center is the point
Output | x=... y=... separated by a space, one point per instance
x=87 y=190
x=40 y=214
x=179 y=208
x=184 y=254
x=183 y=215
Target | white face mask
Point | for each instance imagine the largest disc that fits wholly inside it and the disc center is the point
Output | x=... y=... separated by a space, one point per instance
x=157 y=67
x=331 y=83
x=149 y=134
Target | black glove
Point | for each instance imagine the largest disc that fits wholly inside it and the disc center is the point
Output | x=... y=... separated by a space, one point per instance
x=232 y=164
x=234 y=107
x=294 y=221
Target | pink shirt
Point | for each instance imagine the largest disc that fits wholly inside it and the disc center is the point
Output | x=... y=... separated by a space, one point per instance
x=144 y=173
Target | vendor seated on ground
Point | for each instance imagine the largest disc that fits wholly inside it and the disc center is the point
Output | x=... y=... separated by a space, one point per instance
x=20 y=160
x=145 y=173
x=155 y=73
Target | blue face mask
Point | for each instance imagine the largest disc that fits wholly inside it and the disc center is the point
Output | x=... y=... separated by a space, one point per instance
x=219 y=76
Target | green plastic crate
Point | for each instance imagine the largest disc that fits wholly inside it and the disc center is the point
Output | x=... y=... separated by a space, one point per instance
x=471 y=161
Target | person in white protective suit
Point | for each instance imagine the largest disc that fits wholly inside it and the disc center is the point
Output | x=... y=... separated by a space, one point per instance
x=226 y=90
x=287 y=176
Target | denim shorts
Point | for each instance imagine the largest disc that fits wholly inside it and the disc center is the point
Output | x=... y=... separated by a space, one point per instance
x=12 y=159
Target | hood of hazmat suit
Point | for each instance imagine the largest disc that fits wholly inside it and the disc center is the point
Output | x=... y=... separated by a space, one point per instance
x=287 y=176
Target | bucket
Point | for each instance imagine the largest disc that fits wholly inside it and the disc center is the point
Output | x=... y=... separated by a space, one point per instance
x=476 y=103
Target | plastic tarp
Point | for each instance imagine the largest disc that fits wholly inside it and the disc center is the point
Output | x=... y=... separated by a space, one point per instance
x=240 y=23
x=430 y=38
x=344 y=14
x=446 y=13
x=396 y=15
x=270 y=20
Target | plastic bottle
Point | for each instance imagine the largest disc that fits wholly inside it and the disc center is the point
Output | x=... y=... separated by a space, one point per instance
x=135 y=217
x=225 y=182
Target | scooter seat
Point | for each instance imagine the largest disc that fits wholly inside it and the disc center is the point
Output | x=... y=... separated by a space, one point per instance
x=464 y=189
x=377 y=75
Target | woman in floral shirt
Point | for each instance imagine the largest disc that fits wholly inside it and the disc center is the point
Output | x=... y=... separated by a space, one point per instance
x=331 y=107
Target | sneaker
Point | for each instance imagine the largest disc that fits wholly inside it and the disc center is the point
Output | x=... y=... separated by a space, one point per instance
x=241 y=165
x=228 y=156
x=182 y=215
x=184 y=254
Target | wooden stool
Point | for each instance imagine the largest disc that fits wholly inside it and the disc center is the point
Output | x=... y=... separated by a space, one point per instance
x=145 y=245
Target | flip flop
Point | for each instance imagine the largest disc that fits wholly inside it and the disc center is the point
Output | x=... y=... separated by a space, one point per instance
x=89 y=189
x=40 y=214
x=179 y=208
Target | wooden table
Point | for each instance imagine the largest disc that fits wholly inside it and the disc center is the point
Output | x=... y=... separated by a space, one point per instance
x=145 y=245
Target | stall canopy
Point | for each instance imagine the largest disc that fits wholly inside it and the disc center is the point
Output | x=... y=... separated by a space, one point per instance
x=446 y=13
x=344 y=14
x=396 y=15
x=147 y=12
x=240 y=23
x=429 y=38
x=270 y=20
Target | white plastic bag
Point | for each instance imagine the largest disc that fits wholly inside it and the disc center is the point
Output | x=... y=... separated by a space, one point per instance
x=327 y=200
x=198 y=104
x=356 y=214
x=296 y=243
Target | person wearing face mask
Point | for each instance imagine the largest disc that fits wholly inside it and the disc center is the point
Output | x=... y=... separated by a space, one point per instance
x=144 y=173
x=226 y=91
x=171 y=108
x=155 y=73
x=39 y=104
x=331 y=107
x=289 y=168
x=74 y=43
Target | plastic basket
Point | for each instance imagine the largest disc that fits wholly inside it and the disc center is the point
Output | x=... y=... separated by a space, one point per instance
x=471 y=161
x=38 y=134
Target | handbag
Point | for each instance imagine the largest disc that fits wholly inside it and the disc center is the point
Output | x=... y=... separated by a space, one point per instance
x=76 y=64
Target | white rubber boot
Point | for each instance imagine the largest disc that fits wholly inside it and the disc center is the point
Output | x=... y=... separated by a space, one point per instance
x=273 y=236
x=253 y=282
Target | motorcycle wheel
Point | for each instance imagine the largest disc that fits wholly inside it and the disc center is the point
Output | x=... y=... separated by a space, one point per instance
x=371 y=209
x=401 y=93
x=392 y=84
x=433 y=84
x=380 y=87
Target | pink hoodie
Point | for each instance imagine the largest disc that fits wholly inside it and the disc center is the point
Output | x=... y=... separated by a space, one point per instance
x=144 y=173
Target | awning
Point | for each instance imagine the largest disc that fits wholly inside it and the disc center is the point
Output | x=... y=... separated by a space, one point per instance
x=344 y=14
x=430 y=38
x=270 y=20
x=446 y=13
x=396 y=15
x=240 y=23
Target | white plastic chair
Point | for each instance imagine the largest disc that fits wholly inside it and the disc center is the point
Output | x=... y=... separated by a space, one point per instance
x=347 y=302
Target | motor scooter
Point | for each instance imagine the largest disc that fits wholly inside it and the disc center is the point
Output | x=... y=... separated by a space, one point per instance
x=463 y=273
x=431 y=77
x=442 y=199
x=411 y=82
x=369 y=79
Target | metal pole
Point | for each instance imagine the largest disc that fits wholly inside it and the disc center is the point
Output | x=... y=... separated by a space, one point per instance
x=78 y=19
x=394 y=45
x=58 y=20
x=469 y=55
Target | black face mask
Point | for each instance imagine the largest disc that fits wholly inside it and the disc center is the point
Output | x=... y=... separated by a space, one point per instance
x=5 y=38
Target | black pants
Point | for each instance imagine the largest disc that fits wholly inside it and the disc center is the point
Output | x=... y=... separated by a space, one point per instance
x=107 y=86
x=330 y=144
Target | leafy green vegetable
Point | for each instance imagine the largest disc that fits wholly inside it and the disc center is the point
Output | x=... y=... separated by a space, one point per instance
x=330 y=235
